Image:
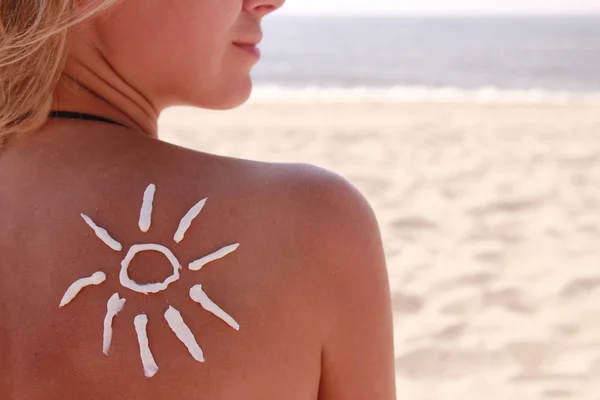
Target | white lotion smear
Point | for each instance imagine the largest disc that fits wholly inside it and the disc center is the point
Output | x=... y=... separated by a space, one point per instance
x=198 y=264
x=102 y=234
x=113 y=307
x=146 y=211
x=183 y=333
x=78 y=285
x=150 y=367
x=127 y=282
x=198 y=295
x=186 y=221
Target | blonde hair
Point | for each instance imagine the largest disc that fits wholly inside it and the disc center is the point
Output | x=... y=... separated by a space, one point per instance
x=33 y=38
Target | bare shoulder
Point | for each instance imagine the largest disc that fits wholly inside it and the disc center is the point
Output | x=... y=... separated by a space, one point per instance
x=332 y=214
x=319 y=204
x=333 y=228
x=319 y=219
x=316 y=210
x=348 y=263
x=320 y=198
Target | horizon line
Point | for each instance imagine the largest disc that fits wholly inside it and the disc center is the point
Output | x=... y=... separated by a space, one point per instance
x=438 y=14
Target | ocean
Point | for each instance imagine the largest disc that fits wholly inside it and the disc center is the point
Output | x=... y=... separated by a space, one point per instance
x=412 y=57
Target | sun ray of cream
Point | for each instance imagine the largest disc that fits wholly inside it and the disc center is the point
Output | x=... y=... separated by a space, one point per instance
x=198 y=264
x=183 y=333
x=150 y=368
x=102 y=234
x=113 y=307
x=186 y=221
x=78 y=285
x=198 y=295
x=146 y=210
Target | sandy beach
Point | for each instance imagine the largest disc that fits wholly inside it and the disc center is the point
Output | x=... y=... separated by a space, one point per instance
x=490 y=214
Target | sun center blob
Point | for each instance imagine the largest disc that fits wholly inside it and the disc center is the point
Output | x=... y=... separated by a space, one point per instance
x=147 y=288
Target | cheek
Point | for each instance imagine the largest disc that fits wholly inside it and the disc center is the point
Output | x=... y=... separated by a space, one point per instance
x=160 y=49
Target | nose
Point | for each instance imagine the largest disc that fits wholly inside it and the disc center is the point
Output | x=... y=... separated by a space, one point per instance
x=261 y=8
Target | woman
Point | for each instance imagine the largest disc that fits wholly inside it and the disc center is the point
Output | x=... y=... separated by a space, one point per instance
x=293 y=301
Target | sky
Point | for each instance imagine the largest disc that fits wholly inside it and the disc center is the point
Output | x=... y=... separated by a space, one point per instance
x=403 y=7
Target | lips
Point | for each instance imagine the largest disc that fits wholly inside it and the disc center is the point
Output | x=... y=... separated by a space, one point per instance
x=249 y=43
x=250 y=48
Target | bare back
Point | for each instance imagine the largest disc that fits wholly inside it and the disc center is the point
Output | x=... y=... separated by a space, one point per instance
x=282 y=284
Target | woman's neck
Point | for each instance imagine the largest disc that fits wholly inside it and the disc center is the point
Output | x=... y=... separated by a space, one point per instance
x=90 y=85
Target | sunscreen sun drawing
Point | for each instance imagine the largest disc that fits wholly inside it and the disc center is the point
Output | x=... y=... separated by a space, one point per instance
x=172 y=316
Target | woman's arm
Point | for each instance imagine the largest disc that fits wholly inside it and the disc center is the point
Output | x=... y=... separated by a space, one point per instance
x=358 y=354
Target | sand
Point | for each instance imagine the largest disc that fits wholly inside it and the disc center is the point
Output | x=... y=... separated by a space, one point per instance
x=490 y=215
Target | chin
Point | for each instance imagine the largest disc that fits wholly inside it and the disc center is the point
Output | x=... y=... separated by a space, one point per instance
x=229 y=97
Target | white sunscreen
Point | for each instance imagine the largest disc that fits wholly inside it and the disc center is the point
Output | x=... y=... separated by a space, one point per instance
x=78 y=285
x=173 y=317
x=198 y=295
x=186 y=221
x=102 y=234
x=183 y=333
x=146 y=211
x=150 y=368
x=113 y=307
x=198 y=264
x=129 y=283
